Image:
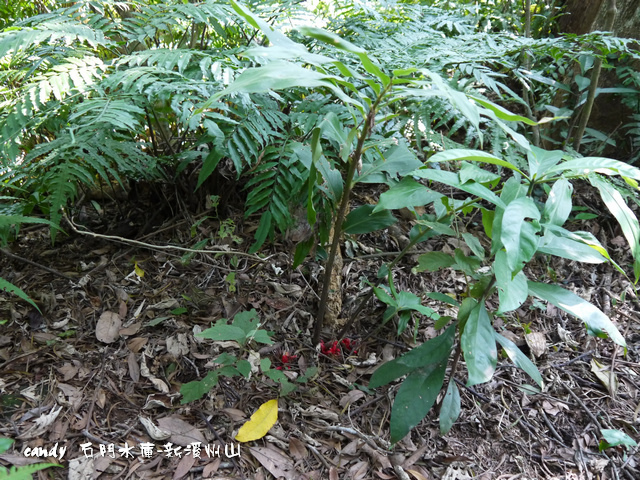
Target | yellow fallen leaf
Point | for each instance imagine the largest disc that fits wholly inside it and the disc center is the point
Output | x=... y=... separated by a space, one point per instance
x=260 y=422
x=139 y=271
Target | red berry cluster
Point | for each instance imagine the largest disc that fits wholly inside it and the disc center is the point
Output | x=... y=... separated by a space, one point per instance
x=346 y=345
x=286 y=360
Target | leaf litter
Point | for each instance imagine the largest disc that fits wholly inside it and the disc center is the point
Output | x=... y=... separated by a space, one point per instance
x=104 y=363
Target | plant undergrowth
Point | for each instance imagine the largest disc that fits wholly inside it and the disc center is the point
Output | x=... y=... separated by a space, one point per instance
x=95 y=95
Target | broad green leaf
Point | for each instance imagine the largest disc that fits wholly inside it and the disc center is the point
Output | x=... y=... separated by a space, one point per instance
x=443 y=297
x=585 y=238
x=519 y=359
x=6 y=286
x=275 y=36
x=450 y=408
x=460 y=154
x=597 y=323
x=470 y=171
x=558 y=205
x=434 y=261
x=615 y=438
x=24 y=472
x=451 y=179
x=467 y=264
x=479 y=346
x=502 y=113
x=407 y=193
x=260 y=422
x=397 y=160
x=264 y=228
x=587 y=165
x=415 y=397
x=427 y=356
x=518 y=237
x=474 y=244
x=197 y=389
x=541 y=161
x=458 y=100
x=512 y=290
x=569 y=248
x=364 y=220
x=410 y=301
x=624 y=215
x=5 y=444
x=276 y=76
x=209 y=165
x=330 y=38
x=222 y=332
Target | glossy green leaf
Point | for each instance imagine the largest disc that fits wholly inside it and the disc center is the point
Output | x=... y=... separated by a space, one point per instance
x=471 y=172
x=428 y=355
x=331 y=39
x=474 y=244
x=405 y=194
x=541 y=161
x=587 y=165
x=558 y=205
x=415 y=397
x=6 y=286
x=451 y=179
x=277 y=75
x=597 y=323
x=397 y=160
x=364 y=220
x=569 y=248
x=479 y=346
x=615 y=438
x=619 y=209
x=512 y=290
x=433 y=261
x=450 y=408
x=519 y=359
x=501 y=112
x=518 y=237
x=455 y=155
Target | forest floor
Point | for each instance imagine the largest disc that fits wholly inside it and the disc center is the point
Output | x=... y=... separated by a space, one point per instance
x=102 y=365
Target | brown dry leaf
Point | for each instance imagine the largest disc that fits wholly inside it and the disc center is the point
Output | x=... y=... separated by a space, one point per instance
x=235 y=414
x=136 y=344
x=182 y=433
x=184 y=466
x=333 y=473
x=609 y=379
x=178 y=345
x=297 y=449
x=416 y=474
x=537 y=343
x=101 y=398
x=553 y=408
x=275 y=461
x=68 y=371
x=134 y=368
x=122 y=310
x=359 y=471
x=131 y=329
x=154 y=431
x=69 y=396
x=108 y=326
x=211 y=468
x=351 y=397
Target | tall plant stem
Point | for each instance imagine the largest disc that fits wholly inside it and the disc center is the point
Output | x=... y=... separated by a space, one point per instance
x=342 y=211
x=595 y=77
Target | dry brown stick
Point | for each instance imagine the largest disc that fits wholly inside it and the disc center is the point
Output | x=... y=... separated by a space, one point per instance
x=581 y=403
x=128 y=241
x=37 y=265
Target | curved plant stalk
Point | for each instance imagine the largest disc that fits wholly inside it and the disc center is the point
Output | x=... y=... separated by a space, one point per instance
x=354 y=161
x=595 y=77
